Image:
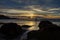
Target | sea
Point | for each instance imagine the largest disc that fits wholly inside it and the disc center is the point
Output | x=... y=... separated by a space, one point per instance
x=33 y=24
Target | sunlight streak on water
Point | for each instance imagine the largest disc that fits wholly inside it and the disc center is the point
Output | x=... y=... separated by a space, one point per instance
x=33 y=24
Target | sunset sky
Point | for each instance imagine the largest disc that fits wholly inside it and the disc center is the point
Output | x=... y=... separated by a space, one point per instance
x=50 y=8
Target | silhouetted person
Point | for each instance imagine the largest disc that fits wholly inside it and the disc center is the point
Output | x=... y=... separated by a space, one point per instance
x=11 y=30
x=25 y=30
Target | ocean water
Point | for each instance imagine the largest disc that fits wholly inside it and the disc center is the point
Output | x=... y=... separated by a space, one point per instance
x=33 y=24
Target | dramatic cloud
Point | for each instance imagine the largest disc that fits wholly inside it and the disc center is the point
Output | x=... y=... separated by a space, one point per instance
x=30 y=6
x=33 y=9
x=54 y=9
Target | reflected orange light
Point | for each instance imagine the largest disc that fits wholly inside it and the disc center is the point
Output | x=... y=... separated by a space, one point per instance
x=51 y=16
x=31 y=28
x=30 y=23
x=31 y=15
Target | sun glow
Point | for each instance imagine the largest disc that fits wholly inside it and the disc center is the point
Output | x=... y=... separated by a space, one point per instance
x=30 y=23
x=31 y=15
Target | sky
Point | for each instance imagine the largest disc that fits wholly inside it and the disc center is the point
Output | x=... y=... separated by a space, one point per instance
x=31 y=6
